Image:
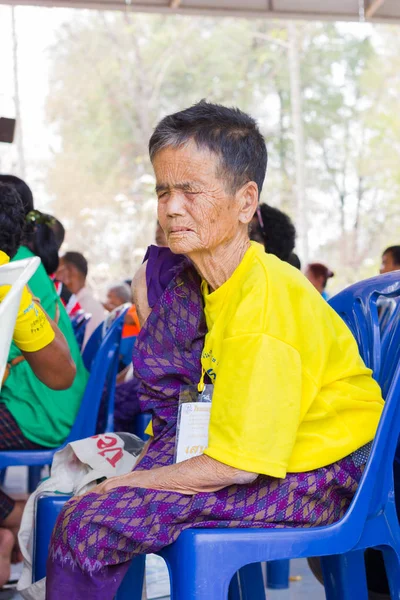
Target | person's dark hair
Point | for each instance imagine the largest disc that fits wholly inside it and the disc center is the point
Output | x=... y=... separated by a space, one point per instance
x=38 y=235
x=395 y=252
x=228 y=132
x=40 y=239
x=277 y=231
x=59 y=232
x=294 y=260
x=320 y=270
x=23 y=190
x=12 y=219
x=77 y=260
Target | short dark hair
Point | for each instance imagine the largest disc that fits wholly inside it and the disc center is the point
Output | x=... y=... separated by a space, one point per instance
x=77 y=260
x=395 y=252
x=228 y=132
x=12 y=219
x=59 y=231
x=320 y=270
x=23 y=190
x=277 y=231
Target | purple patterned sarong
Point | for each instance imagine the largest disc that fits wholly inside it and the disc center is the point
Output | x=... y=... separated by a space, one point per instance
x=96 y=535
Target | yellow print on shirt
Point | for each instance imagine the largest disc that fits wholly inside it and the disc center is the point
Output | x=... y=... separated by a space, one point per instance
x=39 y=323
x=207 y=356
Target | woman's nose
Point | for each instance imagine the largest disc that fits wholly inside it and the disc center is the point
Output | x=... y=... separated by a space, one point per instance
x=175 y=204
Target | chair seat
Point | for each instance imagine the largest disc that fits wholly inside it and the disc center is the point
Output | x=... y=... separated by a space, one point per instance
x=12 y=458
x=260 y=545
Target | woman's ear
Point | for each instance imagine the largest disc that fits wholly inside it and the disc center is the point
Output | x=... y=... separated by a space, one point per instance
x=248 y=200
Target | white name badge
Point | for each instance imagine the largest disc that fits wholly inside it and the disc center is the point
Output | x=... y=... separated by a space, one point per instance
x=193 y=422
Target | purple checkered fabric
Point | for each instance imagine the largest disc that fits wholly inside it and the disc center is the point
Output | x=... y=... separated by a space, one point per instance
x=96 y=535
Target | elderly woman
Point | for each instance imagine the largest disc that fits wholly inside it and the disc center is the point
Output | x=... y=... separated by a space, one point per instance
x=293 y=408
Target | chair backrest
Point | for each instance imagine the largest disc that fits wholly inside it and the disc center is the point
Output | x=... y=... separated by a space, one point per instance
x=92 y=346
x=79 y=323
x=16 y=275
x=103 y=376
x=357 y=305
x=94 y=342
x=387 y=310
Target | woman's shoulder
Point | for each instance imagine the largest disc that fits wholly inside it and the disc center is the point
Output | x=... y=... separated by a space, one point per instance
x=161 y=266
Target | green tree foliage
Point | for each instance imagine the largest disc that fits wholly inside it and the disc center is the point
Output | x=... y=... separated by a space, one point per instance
x=115 y=75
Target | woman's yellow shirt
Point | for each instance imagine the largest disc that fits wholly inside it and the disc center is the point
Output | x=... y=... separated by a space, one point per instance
x=291 y=392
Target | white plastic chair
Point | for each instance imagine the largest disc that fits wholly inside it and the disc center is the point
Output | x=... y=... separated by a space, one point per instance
x=17 y=275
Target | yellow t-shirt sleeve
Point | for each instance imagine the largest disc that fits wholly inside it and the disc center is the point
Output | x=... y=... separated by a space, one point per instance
x=256 y=404
x=32 y=330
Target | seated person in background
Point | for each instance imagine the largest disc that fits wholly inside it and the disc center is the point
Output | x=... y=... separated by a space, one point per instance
x=73 y=272
x=117 y=295
x=274 y=230
x=293 y=402
x=318 y=274
x=390 y=260
x=44 y=349
x=44 y=416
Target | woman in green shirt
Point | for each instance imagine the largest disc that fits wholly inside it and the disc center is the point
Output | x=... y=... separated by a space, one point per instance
x=44 y=416
x=31 y=414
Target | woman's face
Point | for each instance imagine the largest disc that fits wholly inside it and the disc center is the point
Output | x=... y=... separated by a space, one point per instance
x=195 y=210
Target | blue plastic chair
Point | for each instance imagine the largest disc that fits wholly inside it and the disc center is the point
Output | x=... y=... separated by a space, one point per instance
x=213 y=556
x=103 y=372
x=79 y=323
x=141 y=422
x=92 y=347
x=94 y=342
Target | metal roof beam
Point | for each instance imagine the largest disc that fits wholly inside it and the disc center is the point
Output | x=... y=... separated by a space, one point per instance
x=372 y=7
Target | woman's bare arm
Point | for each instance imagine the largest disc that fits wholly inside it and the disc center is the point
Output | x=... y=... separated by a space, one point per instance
x=53 y=364
x=199 y=474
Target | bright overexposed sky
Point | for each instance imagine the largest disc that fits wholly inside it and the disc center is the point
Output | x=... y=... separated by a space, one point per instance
x=36 y=30
x=37 y=33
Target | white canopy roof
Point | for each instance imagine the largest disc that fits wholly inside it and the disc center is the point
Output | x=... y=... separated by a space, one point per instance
x=348 y=10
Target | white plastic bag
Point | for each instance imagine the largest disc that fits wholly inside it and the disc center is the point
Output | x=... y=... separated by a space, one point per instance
x=75 y=470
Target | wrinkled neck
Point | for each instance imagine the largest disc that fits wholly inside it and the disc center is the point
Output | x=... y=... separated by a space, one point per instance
x=218 y=264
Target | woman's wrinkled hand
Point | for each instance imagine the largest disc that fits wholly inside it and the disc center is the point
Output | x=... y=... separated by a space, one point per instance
x=109 y=484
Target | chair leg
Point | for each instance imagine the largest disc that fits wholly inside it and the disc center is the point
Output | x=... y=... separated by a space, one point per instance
x=392 y=566
x=252 y=582
x=278 y=574
x=344 y=576
x=194 y=582
x=234 y=588
x=34 y=476
x=3 y=474
x=132 y=584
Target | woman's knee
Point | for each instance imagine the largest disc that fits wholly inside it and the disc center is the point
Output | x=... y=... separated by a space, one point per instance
x=71 y=531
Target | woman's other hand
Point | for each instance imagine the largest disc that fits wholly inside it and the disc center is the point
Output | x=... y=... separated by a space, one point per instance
x=193 y=476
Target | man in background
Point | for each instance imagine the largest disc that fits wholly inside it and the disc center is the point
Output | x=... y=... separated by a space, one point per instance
x=390 y=260
x=117 y=295
x=73 y=272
